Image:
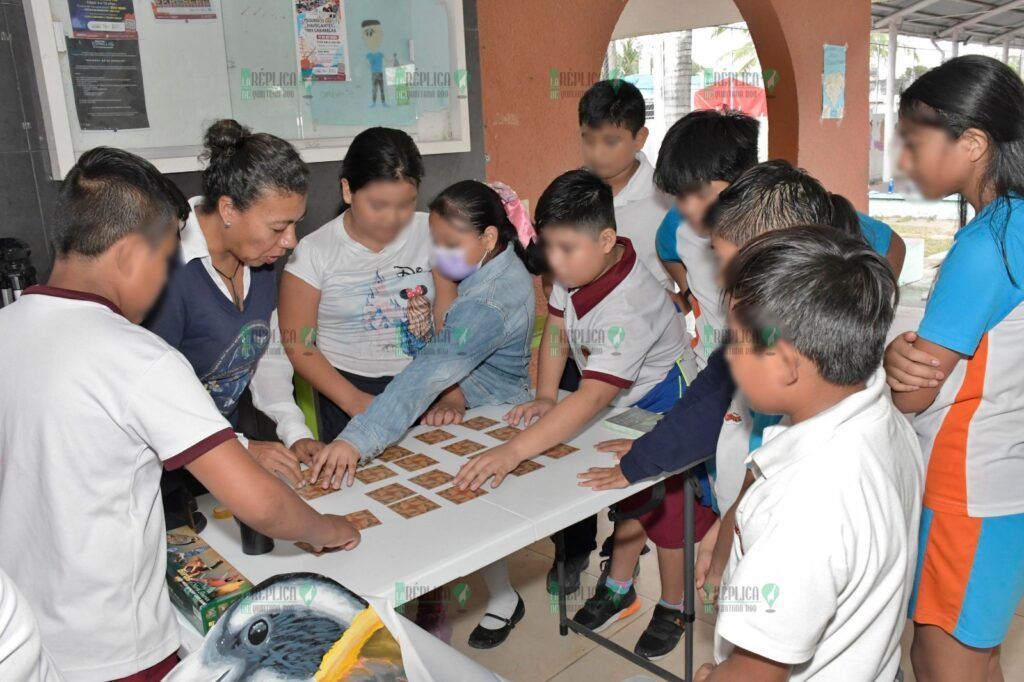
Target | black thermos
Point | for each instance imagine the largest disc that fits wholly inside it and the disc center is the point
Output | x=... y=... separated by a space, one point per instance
x=16 y=270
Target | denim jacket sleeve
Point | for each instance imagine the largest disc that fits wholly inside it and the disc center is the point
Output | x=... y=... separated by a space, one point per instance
x=689 y=431
x=472 y=331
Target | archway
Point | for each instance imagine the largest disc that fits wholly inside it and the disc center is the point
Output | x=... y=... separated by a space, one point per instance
x=530 y=96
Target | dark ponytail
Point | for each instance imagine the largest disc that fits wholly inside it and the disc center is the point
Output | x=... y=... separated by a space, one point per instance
x=845 y=218
x=381 y=154
x=981 y=93
x=241 y=165
x=476 y=204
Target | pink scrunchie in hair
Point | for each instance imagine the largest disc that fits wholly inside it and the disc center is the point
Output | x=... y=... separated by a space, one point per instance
x=516 y=213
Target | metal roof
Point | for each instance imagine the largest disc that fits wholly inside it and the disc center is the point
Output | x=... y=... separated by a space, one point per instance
x=991 y=22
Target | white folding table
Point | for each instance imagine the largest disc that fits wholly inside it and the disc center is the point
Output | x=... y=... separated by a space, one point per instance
x=404 y=558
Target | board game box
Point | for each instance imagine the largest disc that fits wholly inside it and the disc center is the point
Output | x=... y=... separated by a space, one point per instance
x=634 y=422
x=202 y=584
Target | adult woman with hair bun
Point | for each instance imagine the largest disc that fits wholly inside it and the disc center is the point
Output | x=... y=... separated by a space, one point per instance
x=219 y=307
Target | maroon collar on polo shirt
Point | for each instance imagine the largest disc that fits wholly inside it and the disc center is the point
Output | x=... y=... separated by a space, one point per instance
x=589 y=295
x=47 y=290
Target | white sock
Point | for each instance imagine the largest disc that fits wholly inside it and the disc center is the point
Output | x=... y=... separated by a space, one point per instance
x=503 y=599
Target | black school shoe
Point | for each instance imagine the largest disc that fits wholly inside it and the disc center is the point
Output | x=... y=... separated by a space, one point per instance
x=483 y=638
x=574 y=566
x=607 y=607
x=662 y=633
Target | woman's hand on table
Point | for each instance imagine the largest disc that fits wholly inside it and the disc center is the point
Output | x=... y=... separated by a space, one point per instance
x=341 y=534
x=496 y=462
x=908 y=369
x=305 y=449
x=337 y=461
x=529 y=411
x=278 y=460
x=443 y=414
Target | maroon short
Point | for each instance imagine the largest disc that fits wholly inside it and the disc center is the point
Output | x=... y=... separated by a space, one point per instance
x=664 y=524
x=154 y=674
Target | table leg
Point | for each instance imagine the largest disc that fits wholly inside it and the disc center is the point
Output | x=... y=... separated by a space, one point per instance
x=689 y=591
x=563 y=628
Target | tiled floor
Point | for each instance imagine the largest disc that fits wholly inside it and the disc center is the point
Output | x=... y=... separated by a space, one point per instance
x=535 y=652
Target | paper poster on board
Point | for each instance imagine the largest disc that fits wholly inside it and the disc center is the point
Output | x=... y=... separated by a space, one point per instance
x=109 y=19
x=182 y=10
x=106 y=79
x=833 y=82
x=320 y=39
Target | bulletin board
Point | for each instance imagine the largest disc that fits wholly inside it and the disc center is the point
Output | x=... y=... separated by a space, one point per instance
x=148 y=76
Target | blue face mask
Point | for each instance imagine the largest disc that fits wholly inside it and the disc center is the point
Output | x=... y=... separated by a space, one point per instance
x=451 y=262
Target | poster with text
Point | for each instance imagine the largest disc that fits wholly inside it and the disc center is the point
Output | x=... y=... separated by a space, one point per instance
x=182 y=10
x=109 y=19
x=106 y=78
x=320 y=40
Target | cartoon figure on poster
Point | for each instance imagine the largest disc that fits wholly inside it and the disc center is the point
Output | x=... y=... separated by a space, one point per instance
x=373 y=36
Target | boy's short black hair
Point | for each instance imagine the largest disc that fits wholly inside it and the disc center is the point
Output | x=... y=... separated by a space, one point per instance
x=616 y=102
x=110 y=194
x=370 y=22
x=577 y=199
x=770 y=196
x=704 y=146
x=829 y=295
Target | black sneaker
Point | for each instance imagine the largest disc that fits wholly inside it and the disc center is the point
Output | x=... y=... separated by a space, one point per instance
x=662 y=633
x=573 y=567
x=607 y=607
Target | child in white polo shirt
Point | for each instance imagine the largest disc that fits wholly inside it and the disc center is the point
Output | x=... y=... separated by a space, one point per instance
x=824 y=543
x=621 y=328
x=612 y=118
x=608 y=311
x=94 y=408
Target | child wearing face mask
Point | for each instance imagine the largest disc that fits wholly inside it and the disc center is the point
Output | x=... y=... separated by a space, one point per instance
x=484 y=240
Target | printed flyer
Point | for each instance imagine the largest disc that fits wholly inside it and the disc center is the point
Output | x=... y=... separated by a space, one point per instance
x=321 y=40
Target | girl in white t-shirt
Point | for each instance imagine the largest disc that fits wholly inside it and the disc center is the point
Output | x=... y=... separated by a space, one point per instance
x=356 y=295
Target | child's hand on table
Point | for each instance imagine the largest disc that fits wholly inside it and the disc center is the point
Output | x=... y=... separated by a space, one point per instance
x=496 y=462
x=443 y=414
x=603 y=478
x=305 y=449
x=529 y=411
x=277 y=459
x=607 y=478
x=908 y=369
x=338 y=460
x=619 y=447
